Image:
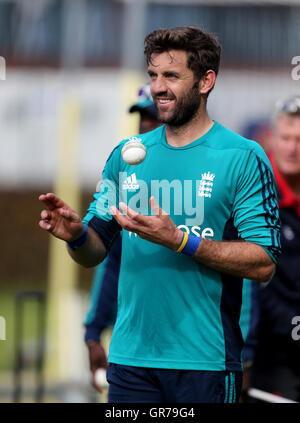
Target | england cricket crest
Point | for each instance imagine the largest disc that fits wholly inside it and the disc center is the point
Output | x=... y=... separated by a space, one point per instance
x=206 y=184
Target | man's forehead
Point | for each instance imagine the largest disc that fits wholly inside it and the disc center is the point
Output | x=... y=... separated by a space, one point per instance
x=168 y=58
x=287 y=123
x=290 y=120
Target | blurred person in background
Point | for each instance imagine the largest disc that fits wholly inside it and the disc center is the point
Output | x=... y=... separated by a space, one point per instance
x=271 y=354
x=261 y=131
x=103 y=304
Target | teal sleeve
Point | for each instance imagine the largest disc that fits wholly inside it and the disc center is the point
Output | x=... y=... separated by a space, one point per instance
x=107 y=194
x=255 y=209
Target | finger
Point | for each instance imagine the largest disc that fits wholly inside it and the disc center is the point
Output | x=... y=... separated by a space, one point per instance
x=51 y=201
x=44 y=224
x=127 y=210
x=45 y=215
x=132 y=214
x=69 y=214
x=65 y=213
x=120 y=218
x=124 y=221
x=158 y=211
x=113 y=210
x=46 y=202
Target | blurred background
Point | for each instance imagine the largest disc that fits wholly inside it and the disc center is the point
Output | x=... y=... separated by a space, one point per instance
x=69 y=70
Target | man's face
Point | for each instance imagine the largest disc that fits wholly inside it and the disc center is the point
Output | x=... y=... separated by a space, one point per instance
x=286 y=144
x=173 y=87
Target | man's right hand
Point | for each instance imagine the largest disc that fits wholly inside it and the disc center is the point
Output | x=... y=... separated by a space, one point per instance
x=98 y=360
x=59 y=219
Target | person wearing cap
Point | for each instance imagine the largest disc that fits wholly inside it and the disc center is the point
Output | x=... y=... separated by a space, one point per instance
x=104 y=294
x=272 y=348
x=146 y=109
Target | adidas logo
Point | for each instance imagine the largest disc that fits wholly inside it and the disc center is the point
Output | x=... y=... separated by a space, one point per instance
x=130 y=183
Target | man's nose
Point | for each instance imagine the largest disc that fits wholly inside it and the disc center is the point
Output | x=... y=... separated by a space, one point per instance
x=292 y=146
x=158 y=86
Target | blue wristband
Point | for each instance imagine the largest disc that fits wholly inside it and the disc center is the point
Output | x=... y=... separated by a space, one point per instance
x=79 y=241
x=192 y=245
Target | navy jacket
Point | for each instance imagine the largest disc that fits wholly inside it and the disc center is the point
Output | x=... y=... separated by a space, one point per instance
x=279 y=301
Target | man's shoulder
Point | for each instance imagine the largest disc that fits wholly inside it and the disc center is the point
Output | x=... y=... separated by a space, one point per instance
x=149 y=138
x=229 y=139
x=226 y=139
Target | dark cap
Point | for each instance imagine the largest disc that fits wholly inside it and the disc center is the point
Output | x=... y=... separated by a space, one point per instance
x=144 y=102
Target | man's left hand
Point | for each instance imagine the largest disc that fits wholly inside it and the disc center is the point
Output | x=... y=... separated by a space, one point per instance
x=159 y=229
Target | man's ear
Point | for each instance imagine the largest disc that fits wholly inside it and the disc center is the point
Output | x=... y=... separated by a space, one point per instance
x=207 y=82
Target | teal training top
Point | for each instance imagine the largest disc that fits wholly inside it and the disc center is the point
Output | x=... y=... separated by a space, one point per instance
x=174 y=312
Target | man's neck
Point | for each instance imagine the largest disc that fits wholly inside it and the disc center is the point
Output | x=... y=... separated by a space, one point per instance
x=191 y=131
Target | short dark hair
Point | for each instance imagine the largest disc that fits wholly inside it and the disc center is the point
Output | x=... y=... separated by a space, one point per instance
x=203 y=49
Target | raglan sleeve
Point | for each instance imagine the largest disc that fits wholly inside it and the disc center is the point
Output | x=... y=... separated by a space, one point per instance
x=255 y=208
x=98 y=215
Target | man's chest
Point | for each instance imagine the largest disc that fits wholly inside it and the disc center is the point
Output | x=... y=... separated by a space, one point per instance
x=192 y=188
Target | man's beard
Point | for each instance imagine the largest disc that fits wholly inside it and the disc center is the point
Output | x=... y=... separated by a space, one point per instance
x=185 y=109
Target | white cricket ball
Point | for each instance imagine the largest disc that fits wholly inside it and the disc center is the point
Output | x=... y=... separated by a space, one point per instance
x=100 y=378
x=133 y=152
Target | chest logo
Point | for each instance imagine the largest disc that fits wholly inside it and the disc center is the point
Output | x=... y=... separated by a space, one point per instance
x=206 y=184
x=130 y=183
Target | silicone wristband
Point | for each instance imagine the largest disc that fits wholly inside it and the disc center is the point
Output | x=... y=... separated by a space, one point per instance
x=192 y=245
x=183 y=242
x=79 y=241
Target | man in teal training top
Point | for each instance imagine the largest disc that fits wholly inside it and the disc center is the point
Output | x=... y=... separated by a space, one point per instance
x=198 y=215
